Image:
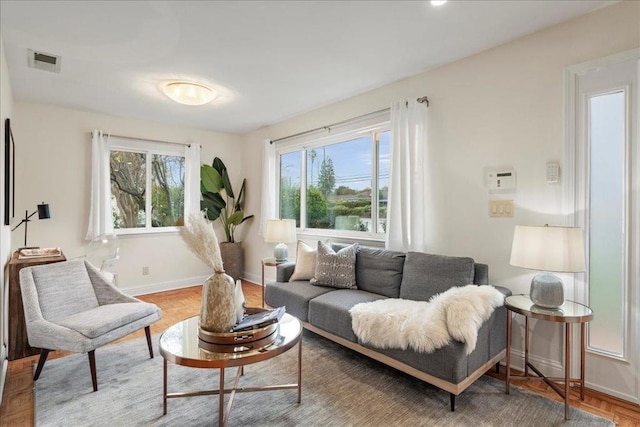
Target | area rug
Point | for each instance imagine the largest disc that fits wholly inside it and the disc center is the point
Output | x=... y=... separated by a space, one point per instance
x=339 y=388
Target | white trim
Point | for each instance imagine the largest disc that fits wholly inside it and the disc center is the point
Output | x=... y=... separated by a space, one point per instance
x=549 y=367
x=573 y=186
x=152 y=288
x=150 y=148
x=171 y=285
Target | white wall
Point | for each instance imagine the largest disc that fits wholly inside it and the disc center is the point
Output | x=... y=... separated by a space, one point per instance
x=53 y=165
x=6 y=110
x=503 y=106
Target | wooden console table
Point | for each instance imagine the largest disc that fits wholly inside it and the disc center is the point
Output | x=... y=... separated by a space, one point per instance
x=18 y=344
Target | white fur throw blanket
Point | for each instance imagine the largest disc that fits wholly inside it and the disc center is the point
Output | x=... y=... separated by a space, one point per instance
x=455 y=314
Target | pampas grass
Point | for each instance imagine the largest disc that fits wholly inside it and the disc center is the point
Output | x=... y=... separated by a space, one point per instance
x=200 y=238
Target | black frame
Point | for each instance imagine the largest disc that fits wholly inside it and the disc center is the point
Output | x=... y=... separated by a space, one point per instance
x=9 y=173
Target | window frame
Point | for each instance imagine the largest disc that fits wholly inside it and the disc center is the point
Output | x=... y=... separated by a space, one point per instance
x=376 y=123
x=149 y=148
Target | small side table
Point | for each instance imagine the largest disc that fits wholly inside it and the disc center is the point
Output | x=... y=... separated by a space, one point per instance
x=568 y=313
x=18 y=342
x=268 y=262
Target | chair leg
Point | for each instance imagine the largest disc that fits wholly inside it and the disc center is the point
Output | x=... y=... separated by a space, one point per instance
x=92 y=366
x=43 y=358
x=147 y=331
x=452 y=401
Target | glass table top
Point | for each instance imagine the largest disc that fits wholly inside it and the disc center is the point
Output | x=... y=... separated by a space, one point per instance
x=569 y=312
x=180 y=344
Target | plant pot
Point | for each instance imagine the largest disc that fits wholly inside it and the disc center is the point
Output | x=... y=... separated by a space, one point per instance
x=218 y=306
x=232 y=259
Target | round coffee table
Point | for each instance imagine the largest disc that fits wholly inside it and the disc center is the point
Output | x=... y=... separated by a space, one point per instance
x=180 y=344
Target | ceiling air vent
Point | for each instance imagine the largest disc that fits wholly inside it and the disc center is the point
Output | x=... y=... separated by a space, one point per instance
x=44 y=61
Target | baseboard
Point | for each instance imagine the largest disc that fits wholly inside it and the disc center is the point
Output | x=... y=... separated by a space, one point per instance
x=253 y=278
x=152 y=288
x=551 y=368
x=610 y=392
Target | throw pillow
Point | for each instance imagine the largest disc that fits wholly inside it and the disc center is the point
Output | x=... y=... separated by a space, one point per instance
x=337 y=270
x=305 y=267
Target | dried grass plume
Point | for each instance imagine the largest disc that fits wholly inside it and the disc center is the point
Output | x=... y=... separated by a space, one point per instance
x=200 y=238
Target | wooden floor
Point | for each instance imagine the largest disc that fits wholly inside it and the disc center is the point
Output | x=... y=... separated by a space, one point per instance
x=17 y=404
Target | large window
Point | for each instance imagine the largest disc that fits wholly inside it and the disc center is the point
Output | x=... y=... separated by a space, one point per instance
x=337 y=185
x=147 y=186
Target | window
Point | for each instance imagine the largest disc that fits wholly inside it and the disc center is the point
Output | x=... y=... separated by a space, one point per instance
x=337 y=185
x=147 y=185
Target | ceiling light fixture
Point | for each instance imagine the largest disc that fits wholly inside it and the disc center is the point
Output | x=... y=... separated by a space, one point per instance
x=189 y=93
x=438 y=2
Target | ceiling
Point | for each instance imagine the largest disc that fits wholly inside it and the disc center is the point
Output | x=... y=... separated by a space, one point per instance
x=269 y=60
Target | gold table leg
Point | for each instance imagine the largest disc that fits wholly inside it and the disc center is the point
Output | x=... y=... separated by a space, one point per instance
x=164 y=386
x=567 y=368
x=582 y=356
x=508 y=351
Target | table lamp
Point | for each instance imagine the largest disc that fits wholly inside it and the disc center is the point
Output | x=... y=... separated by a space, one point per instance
x=550 y=249
x=280 y=231
x=43 y=213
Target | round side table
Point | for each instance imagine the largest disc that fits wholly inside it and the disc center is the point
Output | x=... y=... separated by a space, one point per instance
x=568 y=313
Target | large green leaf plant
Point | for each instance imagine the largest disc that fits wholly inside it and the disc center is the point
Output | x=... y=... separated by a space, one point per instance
x=214 y=182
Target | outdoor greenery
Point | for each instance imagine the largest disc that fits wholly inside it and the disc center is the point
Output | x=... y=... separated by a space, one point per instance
x=328 y=207
x=128 y=174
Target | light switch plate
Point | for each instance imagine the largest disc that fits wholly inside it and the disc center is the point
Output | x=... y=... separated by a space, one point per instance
x=501 y=208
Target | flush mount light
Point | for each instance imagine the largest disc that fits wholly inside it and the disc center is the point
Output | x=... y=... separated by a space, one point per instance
x=189 y=93
x=438 y=2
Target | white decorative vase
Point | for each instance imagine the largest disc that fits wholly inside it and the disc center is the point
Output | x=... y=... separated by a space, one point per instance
x=240 y=301
x=218 y=309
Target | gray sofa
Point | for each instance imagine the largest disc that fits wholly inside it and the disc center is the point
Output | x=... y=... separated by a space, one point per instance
x=389 y=274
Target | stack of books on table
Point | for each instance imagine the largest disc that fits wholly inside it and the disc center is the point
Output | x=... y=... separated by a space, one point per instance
x=259 y=320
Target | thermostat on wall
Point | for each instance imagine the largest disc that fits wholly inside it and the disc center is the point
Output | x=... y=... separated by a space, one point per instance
x=501 y=180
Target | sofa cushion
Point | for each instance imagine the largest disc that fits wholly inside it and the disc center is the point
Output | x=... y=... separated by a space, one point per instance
x=295 y=296
x=425 y=275
x=336 y=269
x=379 y=271
x=330 y=311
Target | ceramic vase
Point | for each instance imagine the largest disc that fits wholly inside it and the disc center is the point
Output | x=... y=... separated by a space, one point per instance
x=218 y=309
x=240 y=301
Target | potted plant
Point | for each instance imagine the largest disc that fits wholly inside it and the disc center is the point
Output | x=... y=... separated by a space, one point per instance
x=220 y=202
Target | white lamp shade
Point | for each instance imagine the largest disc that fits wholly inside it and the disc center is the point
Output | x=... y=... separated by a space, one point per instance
x=558 y=249
x=280 y=231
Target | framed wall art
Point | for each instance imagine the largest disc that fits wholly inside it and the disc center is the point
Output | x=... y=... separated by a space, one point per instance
x=9 y=173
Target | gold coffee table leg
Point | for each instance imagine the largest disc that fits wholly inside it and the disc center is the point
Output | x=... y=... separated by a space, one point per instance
x=164 y=386
x=221 y=414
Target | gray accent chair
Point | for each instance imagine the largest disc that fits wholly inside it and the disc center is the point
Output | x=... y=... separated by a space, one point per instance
x=70 y=306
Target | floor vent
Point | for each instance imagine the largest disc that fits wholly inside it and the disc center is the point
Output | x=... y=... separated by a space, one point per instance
x=44 y=61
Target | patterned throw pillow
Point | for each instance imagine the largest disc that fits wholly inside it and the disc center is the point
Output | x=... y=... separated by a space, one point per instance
x=337 y=270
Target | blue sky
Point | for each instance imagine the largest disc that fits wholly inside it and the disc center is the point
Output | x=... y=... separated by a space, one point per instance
x=351 y=163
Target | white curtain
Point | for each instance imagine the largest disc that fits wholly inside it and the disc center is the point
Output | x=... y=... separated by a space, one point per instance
x=100 y=220
x=268 y=209
x=192 y=179
x=409 y=212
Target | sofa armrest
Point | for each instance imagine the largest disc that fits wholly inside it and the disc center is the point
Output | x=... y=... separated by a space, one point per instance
x=284 y=271
x=505 y=291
